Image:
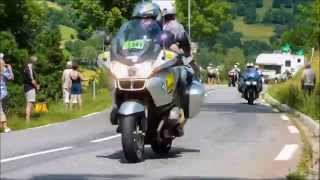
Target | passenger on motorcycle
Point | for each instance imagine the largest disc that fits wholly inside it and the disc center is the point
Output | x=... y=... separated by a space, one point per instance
x=170 y=24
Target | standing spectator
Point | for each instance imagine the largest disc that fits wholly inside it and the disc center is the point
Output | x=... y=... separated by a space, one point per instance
x=76 y=87
x=308 y=79
x=30 y=86
x=66 y=83
x=5 y=75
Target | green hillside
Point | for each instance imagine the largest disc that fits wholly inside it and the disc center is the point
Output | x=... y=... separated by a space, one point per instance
x=67 y=33
x=267 y=4
x=259 y=32
x=54 y=6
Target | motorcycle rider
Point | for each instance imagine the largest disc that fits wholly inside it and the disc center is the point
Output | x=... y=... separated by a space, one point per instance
x=149 y=13
x=250 y=68
x=233 y=76
x=211 y=74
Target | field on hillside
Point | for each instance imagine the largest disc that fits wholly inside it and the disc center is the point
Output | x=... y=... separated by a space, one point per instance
x=253 y=31
x=267 y=4
x=54 y=5
x=67 y=33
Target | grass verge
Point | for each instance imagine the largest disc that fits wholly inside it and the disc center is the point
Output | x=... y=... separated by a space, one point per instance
x=303 y=169
x=291 y=94
x=67 y=34
x=58 y=112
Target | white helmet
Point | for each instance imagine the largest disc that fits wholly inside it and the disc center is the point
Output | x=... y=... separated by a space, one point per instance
x=1 y=55
x=249 y=65
x=169 y=11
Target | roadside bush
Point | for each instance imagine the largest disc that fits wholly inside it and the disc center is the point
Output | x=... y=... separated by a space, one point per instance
x=290 y=93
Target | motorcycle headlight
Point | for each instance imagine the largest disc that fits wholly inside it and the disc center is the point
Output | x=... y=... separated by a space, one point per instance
x=254 y=82
x=248 y=83
x=142 y=70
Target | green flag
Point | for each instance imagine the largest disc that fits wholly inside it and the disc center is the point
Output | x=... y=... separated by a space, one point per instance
x=300 y=52
x=286 y=48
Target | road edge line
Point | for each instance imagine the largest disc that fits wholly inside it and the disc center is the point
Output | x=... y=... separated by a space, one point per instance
x=105 y=138
x=35 y=154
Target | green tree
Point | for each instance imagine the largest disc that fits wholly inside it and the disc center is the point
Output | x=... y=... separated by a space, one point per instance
x=24 y=18
x=88 y=54
x=253 y=48
x=234 y=55
x=50 y=64
x=207 y=17
x=306 y=31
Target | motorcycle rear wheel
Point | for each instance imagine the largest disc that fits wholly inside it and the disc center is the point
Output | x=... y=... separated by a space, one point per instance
x=132 y=139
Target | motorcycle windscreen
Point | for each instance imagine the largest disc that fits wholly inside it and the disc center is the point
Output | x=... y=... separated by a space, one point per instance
x=137 y=41
x=252 y=74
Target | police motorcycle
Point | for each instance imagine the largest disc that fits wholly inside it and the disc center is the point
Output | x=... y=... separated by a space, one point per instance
x=251 y=84
x=151 y=96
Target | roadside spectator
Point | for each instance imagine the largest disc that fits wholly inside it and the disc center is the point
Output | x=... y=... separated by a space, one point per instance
x=66 y=84
x=30 y=86
x=76 y=87
x=308 y=79
x=5 y=75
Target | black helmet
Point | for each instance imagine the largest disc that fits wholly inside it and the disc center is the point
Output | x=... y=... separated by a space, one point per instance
x=147 y=10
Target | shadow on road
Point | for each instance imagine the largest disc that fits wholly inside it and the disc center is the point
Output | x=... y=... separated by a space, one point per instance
x=175 y=152
x=214 y=178
x=236 y=108
x=130 y=176
x=83 y=177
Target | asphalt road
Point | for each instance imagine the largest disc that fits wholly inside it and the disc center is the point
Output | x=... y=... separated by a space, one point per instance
x=227 y=140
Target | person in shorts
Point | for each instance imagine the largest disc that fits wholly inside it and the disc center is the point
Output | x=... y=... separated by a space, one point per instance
x=76 y=86
x=30 y=86
x=5 y=75
x=66 y=84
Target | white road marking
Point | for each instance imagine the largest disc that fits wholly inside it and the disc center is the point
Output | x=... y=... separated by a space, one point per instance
x=209 y=92
x=293 y=130
x=88 y=115
x=47 y=125
x=287 y=152
x=105 y=139
x=284 y=117
x=35 y=154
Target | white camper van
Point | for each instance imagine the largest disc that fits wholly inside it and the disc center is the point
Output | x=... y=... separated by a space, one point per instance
x=277 y=66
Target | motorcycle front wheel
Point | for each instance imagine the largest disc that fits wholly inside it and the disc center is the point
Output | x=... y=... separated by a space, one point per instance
x=250 y=97
x=132 y=139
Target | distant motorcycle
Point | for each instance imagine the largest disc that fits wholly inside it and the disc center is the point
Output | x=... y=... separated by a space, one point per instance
x=251 y=87
x=232 y=79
